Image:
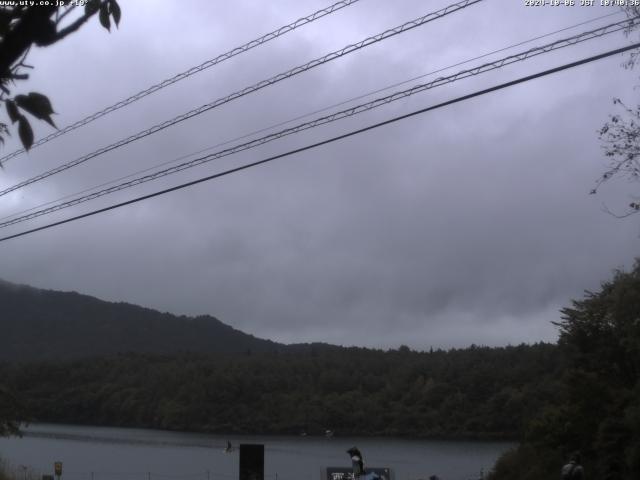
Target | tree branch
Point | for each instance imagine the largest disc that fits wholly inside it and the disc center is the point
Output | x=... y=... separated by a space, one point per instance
x=75 y=25
x=625 y=215
x=65 y=13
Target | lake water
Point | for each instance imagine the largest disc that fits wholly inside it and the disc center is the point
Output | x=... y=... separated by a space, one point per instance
x=101 y=453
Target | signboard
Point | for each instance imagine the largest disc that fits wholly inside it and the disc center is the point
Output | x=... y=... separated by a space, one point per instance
x=57 y=468
x=346 y=473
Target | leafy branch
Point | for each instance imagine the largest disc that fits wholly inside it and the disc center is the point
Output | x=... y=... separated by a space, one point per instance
x=620 y=138
x=23 y=26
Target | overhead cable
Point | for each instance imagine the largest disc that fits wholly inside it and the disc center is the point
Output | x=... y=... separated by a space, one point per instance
x=245 y=91
x=187 y=73
x=487 y=67
x=330 y=140
x=308 y=114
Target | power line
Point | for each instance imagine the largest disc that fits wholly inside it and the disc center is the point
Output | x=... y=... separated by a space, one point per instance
x=332 y=139
x=187 y=73
x=518 y=57
x=324 y=109
x=258 y=86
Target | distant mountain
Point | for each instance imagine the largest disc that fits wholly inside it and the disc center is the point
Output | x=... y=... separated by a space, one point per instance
x=40 y=324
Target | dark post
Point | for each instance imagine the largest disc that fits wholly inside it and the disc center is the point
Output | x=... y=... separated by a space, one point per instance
x=251 y=462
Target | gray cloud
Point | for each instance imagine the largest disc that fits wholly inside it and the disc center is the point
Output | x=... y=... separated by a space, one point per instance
x=470 y=224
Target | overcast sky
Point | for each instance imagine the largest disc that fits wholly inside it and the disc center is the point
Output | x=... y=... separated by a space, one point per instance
x=468 y=224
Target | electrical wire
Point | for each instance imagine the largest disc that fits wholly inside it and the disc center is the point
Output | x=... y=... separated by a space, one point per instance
x=187 y=73
x=324 y=109
x=258 y=86
x=331 y=140
x=518 y=57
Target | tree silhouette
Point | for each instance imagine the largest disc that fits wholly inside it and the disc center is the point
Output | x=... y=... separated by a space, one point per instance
x=25 y=26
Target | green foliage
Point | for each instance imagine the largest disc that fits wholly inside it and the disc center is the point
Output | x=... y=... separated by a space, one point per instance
x=11 y=412
x=528 y=463
x=467 y=393
x=10 y=472
x=4 y=471
x=598 y=411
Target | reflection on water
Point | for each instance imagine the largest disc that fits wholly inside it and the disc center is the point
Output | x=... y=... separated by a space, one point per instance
x=102 y=453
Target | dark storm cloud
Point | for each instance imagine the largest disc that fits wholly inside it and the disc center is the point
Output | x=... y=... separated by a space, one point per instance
x=469 y=224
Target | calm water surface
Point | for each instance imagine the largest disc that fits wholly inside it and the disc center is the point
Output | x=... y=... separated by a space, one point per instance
x=101 y=453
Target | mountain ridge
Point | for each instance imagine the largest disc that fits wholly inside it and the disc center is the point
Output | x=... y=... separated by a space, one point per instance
x=42 y=324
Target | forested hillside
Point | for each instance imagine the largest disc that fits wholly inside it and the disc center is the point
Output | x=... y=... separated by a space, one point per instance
x=474 y=392
x=45 y=324
x=580 y=395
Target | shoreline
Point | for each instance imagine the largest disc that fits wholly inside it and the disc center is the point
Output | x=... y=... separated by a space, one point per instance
x=29 y=432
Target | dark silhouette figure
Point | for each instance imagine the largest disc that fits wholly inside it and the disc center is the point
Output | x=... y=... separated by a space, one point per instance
x=356 y=461
x=573 y=470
